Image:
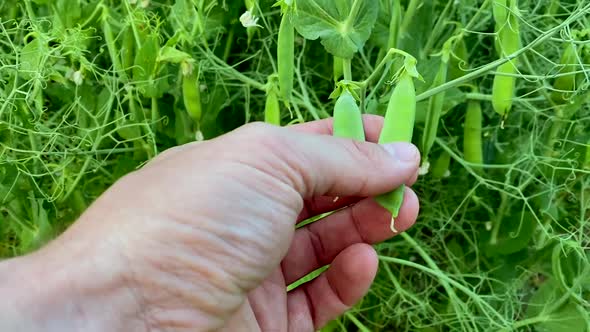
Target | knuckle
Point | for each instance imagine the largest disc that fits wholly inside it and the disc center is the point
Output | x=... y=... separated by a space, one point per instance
x=258 y=130
x=365 y=154
x=260 y=134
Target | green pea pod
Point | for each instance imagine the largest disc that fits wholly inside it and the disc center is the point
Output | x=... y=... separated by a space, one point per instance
x=500 y=12
x=435 y=106
x=458 y=62
x=507 y=42
x=191 y=95
x=440 y=168
x=587 y=159
x=272 y=109
x=128 y=129
x=503 y=89
x=401 y=112
x=128 y=49
x=565 y=84
x=146 y=58
x=398 y=126
x=111 y=45
x=348 y=121
x=472 y=145
x=286 y=57
x=145 y=64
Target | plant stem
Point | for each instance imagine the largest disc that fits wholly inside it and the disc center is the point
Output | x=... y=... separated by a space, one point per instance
x=475 y=17
x=454 y=299
x=228 y=44
x=347 y=67
x=484 y=306
x=355 y=321
x=499 y=217
x=234 y=73
x=492 y=65
x=155 y=113
x=408 y=16
x=437 y=30
x=354 y=10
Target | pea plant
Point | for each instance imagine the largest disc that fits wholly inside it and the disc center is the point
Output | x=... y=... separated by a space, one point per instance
x=493 y=92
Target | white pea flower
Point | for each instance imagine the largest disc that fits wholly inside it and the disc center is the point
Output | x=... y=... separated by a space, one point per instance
x=249 y=20
x=77 y=78
x=187 y=68
x=145 y=3
x=199 y=136
x=447 y=173
x=69 y=74
x=423 y=170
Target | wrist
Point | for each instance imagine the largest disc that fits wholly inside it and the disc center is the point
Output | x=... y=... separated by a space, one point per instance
x=56 y=289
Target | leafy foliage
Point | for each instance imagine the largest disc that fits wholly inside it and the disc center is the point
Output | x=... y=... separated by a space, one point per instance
x=91 y=90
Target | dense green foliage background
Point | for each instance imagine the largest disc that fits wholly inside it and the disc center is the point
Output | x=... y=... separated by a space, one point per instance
x=92 y=89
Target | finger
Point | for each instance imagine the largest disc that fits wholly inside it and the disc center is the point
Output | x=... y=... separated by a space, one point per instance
x=318 y=205
x=318 y=165
x=270 y=297
x=171 y=152
x=317 y=244
x=243 y=320
x=323 y=299
x=372 y=123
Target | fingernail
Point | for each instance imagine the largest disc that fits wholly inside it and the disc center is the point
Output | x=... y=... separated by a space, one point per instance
x=403 y=151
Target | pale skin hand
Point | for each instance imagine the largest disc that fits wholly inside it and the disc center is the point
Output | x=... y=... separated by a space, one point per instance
x=203 y=239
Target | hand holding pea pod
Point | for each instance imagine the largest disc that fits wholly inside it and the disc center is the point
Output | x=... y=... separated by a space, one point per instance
x=236 y=219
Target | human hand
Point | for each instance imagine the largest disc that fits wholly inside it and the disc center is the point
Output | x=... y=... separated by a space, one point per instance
x=203 y=237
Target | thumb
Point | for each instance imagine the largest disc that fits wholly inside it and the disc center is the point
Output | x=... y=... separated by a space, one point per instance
x=318 y=165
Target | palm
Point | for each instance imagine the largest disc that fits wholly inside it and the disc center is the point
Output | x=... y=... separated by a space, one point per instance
x=341 y=240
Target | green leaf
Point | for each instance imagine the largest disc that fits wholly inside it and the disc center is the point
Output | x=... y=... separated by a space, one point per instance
x=172 y=55
x=419 y=30
x=145 y=59
x=342 y=31
x=570 y=264
x=70 y=12
x=39 y=232
x=567 y=317
x=515 y=232
x=453 y=98
x=31 y=57
x=380 y=33
x=184 y=18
